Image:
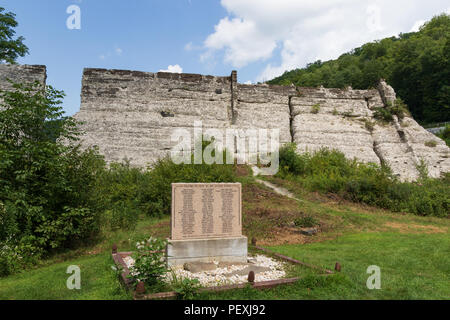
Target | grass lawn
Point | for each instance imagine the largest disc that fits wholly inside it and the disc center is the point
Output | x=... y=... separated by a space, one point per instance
x=98 y=281
x=412 y=252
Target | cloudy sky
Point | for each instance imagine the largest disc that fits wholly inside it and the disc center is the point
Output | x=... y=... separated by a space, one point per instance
x=259 y=38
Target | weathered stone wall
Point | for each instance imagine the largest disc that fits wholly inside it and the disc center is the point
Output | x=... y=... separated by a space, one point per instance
x=21 y=74
x=131 y=115
x=334 y=119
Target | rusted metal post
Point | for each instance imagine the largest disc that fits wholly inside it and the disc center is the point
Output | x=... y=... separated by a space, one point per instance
x=251 y=277
x=337 y=267
x=140 y=288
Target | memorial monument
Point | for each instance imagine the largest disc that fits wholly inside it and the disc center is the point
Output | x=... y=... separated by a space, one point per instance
x=206 y=224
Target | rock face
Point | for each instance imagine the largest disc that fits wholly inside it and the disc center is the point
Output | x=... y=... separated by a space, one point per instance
x=21 y=74
x=132 y=115
x=28 y=74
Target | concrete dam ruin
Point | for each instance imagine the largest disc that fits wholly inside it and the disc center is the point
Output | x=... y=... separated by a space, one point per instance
x=132 y=114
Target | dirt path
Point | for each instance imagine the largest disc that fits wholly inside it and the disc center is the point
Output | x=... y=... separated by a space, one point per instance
x=279 y=190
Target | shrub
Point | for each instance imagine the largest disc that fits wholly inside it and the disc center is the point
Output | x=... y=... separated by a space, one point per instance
x=383 y=114
x=157 y=193
x=120 y=194
x=386 y=114
x=149 y=263
x=46 y=180
x=186 y=288
x=306 y=222
x=329 y=171
x=445 y=135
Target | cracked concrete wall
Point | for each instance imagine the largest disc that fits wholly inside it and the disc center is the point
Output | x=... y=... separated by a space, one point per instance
x=130 y=114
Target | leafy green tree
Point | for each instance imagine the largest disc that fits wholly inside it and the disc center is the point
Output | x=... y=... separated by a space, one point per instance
x=10 y=47
x=46 y=180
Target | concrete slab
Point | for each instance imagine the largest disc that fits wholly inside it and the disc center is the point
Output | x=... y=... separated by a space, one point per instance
x=180 y=252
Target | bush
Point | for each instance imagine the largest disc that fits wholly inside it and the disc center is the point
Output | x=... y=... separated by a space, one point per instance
x=125 y=191
x=46 y=180
x=306 y=222
x=120 y=193
x=386 y=114
x=187 y=289
x=445 y=135
x=329 y=171
x=383 y=114
x=156 y=194
x=149 y=263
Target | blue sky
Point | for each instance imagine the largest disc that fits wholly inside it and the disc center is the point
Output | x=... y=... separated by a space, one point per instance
x=259 y=38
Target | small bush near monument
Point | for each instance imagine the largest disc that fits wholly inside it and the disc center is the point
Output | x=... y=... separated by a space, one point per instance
x=149 y=261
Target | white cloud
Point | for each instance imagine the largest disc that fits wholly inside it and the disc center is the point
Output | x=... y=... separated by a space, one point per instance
x=173 y=69
x=417 y=25
x=190 y=46
x=242 y=40
x=118 y=51
x=304 y=31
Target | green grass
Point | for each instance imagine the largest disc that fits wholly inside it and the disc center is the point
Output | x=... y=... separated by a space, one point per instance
x=412 y=267
x=413 y=253
x=98 y=281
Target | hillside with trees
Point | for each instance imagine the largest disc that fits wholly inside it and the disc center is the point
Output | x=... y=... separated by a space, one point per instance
x=416 y=64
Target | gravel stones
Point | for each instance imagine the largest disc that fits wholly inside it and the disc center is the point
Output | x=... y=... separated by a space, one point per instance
x=222 y=273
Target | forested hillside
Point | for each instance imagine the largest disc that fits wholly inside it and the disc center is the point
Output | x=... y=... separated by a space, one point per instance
x=416 y=64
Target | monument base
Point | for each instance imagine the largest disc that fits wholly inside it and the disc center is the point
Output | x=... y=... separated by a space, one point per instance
x=207 y=250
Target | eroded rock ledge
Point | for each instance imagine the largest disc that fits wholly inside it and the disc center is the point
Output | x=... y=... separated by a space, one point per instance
x=131 y=115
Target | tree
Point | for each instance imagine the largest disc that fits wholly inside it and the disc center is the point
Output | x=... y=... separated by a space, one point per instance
x=10 y=48
x=46 y=180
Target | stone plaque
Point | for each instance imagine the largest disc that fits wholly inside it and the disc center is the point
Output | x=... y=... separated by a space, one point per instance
x=206 y=211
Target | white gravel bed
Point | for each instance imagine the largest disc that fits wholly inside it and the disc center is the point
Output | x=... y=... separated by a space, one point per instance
x=219 y=276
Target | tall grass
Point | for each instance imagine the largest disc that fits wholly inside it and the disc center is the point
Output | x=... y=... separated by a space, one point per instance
x=328 y=171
